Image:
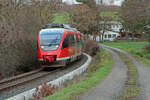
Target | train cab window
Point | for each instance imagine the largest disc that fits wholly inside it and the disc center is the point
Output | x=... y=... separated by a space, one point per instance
x=49 y=40
x=66 y=42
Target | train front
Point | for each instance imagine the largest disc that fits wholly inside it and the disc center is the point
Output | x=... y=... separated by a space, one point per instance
x=49 y=49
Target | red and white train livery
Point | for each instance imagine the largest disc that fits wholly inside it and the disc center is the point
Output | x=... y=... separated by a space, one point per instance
x=58 y=46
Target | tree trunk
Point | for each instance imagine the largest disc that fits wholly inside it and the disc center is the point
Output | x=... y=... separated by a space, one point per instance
x=99 y=37
x=126 y=36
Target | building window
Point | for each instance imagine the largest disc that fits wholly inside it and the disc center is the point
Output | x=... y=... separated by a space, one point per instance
x=109 y=35
x=114 y=35
x=114 y=26
x=117 y=26
x=105 y=36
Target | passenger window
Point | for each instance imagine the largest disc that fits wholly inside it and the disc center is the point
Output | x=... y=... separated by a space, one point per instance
x=72 y=40
x=78 y=41
x=66 y=42
x=37 y=46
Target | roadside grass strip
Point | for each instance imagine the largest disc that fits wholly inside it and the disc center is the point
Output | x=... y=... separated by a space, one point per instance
x=96 y=74
x=131 y=89
x=135 y=48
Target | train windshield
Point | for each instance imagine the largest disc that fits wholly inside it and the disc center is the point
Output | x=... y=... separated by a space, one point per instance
x=50 y=41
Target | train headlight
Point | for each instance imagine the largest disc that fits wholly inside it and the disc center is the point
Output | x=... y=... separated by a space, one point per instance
x=42 y=47
x=57 y=46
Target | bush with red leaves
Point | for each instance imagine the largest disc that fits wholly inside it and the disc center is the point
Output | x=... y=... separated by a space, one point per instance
x=90 y=47
x=44 y=91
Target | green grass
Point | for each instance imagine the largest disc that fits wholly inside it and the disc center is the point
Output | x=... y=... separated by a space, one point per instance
x=92 y=79
x=61 y=18
x=112 y=15
x=131 y=88
x=108 y=14
x=135 y=48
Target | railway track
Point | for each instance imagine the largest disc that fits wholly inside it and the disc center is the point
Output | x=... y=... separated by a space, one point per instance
x=14 y=86
x=24 y=78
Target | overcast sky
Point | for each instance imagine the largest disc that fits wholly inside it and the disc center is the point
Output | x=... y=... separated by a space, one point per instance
x=116 y=2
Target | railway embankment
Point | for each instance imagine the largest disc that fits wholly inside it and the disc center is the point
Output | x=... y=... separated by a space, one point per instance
x=55 y=78
x=99 y=69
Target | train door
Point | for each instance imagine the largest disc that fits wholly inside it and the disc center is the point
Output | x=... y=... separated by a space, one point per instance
x=76 y=48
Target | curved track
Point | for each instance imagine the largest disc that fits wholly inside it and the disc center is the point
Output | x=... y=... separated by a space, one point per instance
x=19 y=84
x=24 y=78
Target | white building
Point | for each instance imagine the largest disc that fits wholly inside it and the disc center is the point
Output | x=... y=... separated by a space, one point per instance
x=110 y=2
x=70 y=2
x=104 y=2
x=111 y=30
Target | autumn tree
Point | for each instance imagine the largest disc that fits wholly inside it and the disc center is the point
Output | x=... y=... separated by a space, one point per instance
x=90 y=3
x=135 y=15
x=94 y=15
x=20 y=22
x=82 y=17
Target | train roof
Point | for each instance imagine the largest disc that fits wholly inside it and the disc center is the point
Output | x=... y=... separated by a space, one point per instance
x=62 y=26
x=55 y=30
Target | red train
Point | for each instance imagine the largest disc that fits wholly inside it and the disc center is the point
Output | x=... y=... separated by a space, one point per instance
x=58 y=45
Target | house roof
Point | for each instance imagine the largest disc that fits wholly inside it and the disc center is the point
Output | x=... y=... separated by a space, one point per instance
x=110 y=22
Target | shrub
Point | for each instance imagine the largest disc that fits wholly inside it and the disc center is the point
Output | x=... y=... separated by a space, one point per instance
x=19 y=26
x=44 y=91
x=90 y=47
x=148 y=48
x=17 y=51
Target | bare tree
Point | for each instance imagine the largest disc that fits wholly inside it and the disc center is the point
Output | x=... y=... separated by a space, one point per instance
x=19 y=26
x=135 y=14
x=82 y=17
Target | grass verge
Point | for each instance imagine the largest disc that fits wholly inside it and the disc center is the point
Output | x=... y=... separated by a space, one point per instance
x=131 y=88
x=97 y=72
x=61 y=18
x=112 y=15
x=135 y=48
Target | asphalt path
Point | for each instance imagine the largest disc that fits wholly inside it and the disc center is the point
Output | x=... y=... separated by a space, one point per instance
x=144 y=75
x=113 y=85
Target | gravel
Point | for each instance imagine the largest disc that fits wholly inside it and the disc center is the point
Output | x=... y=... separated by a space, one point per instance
x=36 y=83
